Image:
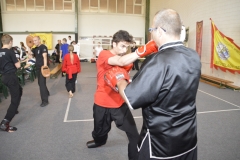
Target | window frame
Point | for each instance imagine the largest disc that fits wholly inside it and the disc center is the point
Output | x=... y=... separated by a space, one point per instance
x=89 y=10
x=98 y=10
x=4 y=6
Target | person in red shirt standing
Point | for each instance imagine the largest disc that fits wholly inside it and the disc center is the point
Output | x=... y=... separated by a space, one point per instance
x=71 y=66
x=108 y=104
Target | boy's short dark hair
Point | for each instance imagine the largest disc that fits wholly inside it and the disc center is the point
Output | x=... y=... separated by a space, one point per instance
x=122 y=35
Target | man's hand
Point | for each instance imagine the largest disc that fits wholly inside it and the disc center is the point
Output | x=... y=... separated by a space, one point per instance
x=114 y=75
x=147 y=49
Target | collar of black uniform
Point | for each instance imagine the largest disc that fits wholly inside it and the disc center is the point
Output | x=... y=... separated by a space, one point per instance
x=170 y=44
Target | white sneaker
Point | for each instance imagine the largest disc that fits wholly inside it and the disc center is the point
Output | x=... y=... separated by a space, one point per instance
x=76 y=81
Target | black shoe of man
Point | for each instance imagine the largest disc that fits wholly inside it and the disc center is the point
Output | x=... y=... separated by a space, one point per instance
x=92 y=144
x=44 y=104
x=4 y=125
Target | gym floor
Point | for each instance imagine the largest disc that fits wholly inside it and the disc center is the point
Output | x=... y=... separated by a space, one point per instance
x=60 y=130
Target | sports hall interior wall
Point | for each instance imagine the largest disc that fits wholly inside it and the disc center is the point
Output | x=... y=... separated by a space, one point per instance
x=89 y=24
x=225 y=15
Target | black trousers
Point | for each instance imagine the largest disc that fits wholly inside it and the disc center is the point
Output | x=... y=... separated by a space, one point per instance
x=124 y=121
x=70 y=83
x=57 y=58
x=42 y=86
x=144 y=154
x=12 y=82
x=135 y=65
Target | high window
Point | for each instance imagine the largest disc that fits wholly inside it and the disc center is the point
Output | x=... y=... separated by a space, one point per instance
x=112 y=6
x=85 y=6
x=37 y=5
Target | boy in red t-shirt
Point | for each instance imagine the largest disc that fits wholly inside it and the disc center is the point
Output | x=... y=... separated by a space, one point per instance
x=108 y=105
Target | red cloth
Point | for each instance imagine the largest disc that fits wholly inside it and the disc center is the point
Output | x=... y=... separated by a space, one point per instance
x=105 y=96
x=69 y=67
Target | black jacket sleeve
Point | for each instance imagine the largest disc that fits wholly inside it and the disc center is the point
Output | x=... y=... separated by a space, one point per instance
x=144 y=88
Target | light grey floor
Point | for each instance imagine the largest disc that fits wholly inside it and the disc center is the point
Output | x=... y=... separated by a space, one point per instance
x=61 y=130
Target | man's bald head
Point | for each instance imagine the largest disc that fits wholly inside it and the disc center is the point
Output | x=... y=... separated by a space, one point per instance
x=169 y=20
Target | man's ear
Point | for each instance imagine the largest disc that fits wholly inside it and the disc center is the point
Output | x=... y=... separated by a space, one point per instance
x=11 y=43
x=159 y=32
x=114 y=44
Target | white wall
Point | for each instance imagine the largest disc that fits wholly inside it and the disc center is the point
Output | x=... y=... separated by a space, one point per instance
x=108 y=24
x=89 y=24
x=38 y=21
x=225 y=15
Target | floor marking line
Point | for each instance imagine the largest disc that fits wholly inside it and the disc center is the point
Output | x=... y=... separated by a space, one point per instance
x=84 y=120
x=67 y=110
x=216 y=111
x=219 y=98
x=88 y=120
x=69 y=104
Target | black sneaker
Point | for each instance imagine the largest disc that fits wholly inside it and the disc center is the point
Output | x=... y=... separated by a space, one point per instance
x=5 y=126
x=44 y=104
x=92 y=144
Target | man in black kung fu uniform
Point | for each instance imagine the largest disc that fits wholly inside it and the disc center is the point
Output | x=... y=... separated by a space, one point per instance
x=41 y=54
x=167 y=85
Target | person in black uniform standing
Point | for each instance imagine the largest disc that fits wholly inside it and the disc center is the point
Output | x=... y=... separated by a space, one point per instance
x=135 y=63
x=41 y=53
x=166 y=87
x=8 y=68
x=57 y=50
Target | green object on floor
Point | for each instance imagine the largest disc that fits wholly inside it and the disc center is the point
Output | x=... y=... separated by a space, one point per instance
x=31 y=73
x=20 y=74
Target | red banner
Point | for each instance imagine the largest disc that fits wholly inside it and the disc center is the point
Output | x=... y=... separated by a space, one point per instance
x=199 y=31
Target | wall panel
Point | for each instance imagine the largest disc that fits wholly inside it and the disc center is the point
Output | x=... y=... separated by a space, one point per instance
x=225 y=15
